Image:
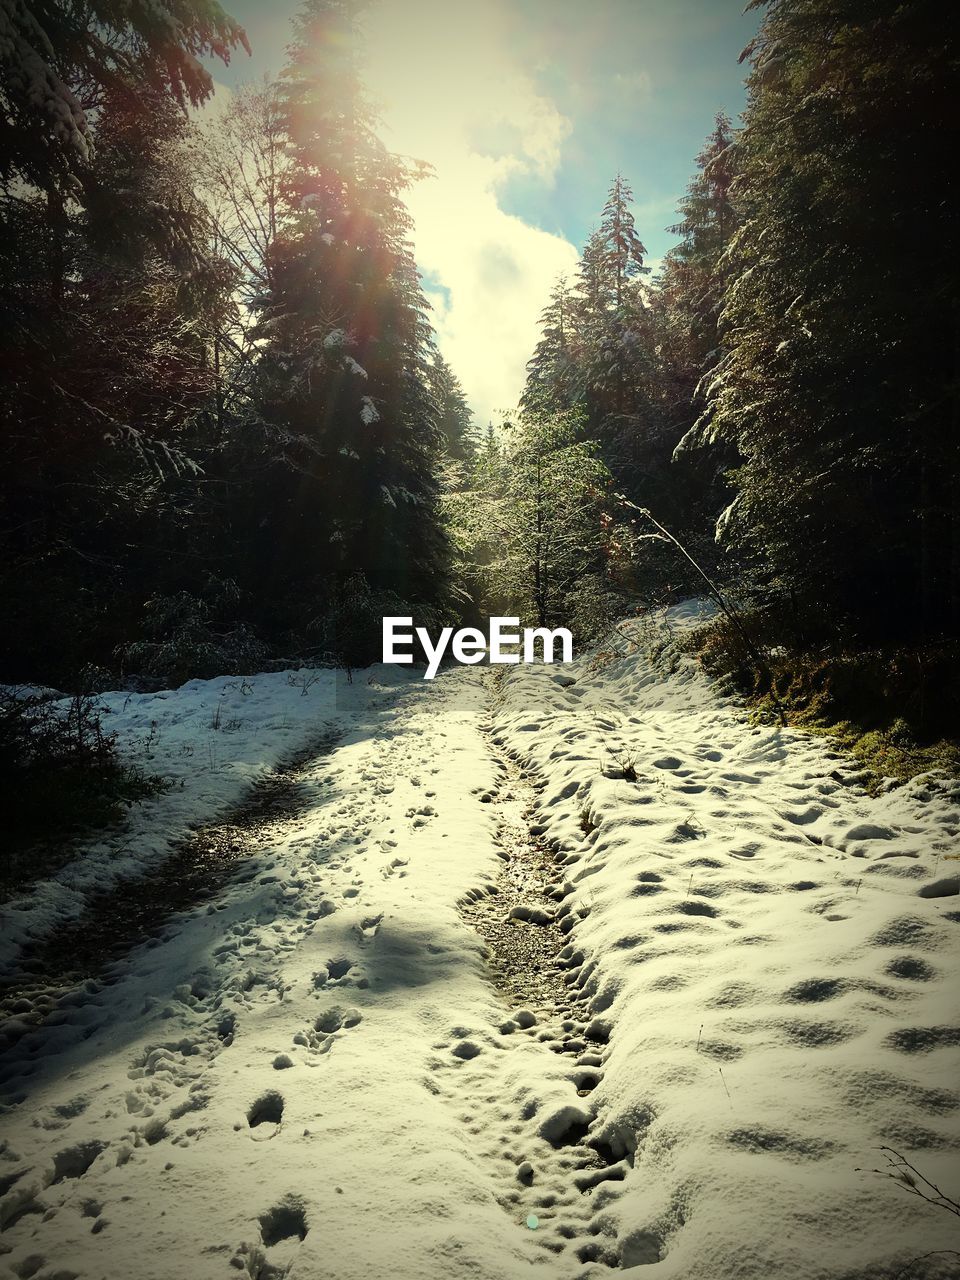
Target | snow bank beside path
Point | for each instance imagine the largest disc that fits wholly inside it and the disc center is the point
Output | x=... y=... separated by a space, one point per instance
x=211 y=739
x=776 y=956
x=285 y=1082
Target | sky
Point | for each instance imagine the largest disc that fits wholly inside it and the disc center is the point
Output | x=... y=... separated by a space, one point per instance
x=527 y=110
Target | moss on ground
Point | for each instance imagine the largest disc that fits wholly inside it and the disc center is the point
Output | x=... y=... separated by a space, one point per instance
x=894 y=710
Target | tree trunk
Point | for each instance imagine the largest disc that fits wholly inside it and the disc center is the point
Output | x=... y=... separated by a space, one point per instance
x=57 y=248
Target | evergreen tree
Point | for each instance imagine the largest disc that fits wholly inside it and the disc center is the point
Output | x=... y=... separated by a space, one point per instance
x=107 y=382
x=621 y=356
x=839 y=386
x=690 y=285
x=622 y=252
x=613 y=345
x=685 y=310
x=58 y=59
x=342 y=383
x=453 y=415
x=593 y=279
x=630 y=356
x=594 y=347
x=551 y=382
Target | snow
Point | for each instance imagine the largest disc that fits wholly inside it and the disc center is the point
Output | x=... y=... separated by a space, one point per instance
x=211 y=739
x=777 y=955
x=368 y=412
x=314 y=1072
x=27 y=55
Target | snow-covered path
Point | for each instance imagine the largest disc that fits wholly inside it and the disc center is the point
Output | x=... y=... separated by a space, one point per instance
x=317 y=1075
x=284 y=1054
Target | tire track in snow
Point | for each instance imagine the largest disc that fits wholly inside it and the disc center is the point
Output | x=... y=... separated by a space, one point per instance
x=135 y=913
x=553 y=1173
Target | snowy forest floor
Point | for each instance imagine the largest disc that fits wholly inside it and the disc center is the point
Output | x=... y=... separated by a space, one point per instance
x=563 y=971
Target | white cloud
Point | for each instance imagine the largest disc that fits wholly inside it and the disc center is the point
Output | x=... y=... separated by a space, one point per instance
x=451 y=92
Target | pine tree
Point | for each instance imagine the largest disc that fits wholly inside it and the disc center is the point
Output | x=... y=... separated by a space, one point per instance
x=534 y=522
x=594 y=291
x=596 y=349
x=690 y=285
x=342 y=384
x=629 y=356
x=685 y=310
x=838 y=386
x=453 y=415
x=107 y=384
x=615 y=349
x=551 y=381
x=58 y=59
x=622 y=251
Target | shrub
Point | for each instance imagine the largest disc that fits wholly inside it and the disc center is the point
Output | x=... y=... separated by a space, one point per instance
x=194 y=637
x=60 y=776
x=895 y=709
x=593 y=608
x=351 y=626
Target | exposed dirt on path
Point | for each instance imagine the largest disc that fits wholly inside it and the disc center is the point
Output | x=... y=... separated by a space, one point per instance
x=135 y=912
x=558 y=1174
x=519 y=920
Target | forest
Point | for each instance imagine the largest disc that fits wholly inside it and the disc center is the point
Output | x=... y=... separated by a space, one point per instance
x=230 y=437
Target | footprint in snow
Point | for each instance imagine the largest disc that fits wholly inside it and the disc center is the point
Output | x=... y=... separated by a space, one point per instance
x=327 y=1028
x=948 y=887
x=911 y=969
x=369 y=927
x=73 y=1162
x=265 y=1115
x=466 y=1049
x=393 y=867
x=283 y=1222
